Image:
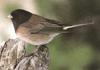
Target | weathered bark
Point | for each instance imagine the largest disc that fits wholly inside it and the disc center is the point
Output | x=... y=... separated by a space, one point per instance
x=13 y=56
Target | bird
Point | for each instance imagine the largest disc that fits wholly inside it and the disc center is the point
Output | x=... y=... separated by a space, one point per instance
x=37 y=30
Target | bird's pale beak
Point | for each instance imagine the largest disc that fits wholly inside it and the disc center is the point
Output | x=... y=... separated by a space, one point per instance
x=9 y=16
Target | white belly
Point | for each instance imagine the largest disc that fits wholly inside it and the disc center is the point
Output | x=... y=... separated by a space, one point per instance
x=24 y=34
x=37 y=39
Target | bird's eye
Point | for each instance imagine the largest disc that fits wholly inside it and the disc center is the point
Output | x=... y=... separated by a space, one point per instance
x=9 y=16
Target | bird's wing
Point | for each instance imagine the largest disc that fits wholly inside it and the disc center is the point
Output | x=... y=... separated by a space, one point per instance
x=55 y=23
x=49 y=25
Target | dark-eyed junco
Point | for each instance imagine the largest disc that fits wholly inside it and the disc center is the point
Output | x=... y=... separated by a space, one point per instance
x=35 y=29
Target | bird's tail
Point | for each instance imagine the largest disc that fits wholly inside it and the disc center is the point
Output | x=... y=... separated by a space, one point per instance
x=77 y=25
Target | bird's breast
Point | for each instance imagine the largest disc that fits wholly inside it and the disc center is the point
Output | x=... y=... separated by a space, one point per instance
x=35 y=39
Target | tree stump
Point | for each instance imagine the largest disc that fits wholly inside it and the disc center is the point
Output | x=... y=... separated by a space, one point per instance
x=13 y=56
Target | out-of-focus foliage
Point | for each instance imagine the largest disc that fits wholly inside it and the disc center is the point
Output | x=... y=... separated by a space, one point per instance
x=10 y=7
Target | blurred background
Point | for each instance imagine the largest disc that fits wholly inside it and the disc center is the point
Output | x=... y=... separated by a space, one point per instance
x=76 y=50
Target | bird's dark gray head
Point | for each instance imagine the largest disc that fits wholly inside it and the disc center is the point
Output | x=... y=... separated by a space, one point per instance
x=20 y=16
